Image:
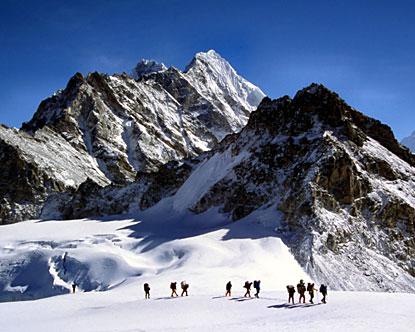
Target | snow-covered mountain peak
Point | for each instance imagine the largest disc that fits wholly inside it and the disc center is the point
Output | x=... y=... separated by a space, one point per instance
x=216 y=79
x=212 y=62
x=146 y=67
x=209 y=55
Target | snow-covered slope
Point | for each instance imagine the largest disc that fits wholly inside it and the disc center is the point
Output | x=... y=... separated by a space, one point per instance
x=409 y=142
x=124 y=310
x=40 y=259
x=110 y=260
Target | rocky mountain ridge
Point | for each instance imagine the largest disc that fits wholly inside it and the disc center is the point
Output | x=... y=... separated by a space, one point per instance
x=115 y=126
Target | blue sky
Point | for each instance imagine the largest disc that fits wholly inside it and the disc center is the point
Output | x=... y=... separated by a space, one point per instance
x=364 y=50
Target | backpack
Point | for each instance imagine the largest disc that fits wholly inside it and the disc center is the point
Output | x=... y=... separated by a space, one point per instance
x=173 y=285
x=300 y=288
x=323 y=289
x=291 y=289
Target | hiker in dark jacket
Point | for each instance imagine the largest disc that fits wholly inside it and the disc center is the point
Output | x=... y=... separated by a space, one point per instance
x=147 y=290
x=291 y=292
x=173 y=287
x=73 y=287
x=310 y=290
x=323 y=291
x=301 y=290
x=257 y=286
x=228 y=289
x=185 y=286
x=247 y=286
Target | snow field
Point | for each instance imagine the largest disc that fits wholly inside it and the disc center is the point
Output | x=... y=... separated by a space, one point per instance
x=123 y=309
x=110 y=260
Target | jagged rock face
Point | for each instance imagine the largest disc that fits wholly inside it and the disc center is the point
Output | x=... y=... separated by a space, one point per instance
x=32 y=166
x=347 y=200
x=113 y=127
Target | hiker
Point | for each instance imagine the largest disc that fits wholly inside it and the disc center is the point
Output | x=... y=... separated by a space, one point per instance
x=291 y=291
x=247 y=286
x=147 y=290
x=173 y=287
x=310 y=290
x=228 y=289
x=73 y=287
x=257 y=286
x=184 y=286
x=323 y=291
x=301 y=290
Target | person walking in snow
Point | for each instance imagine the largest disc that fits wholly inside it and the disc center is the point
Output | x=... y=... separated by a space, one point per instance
x=323 y=291
x=257 y=286
x=310 y=290
x=228 y=289
x=185 y=286
x=73 y=287
x=147 y=290
x=291 y=292
x=247 y=286
x=301 y=290
x=173 y=287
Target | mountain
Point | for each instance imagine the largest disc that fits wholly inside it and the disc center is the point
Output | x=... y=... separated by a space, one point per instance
x=190 y=151
x=107 y=128
x=340 y=185
x=409 y=142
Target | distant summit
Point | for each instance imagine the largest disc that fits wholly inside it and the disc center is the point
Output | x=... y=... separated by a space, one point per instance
x=409 y=142
x=146 y=67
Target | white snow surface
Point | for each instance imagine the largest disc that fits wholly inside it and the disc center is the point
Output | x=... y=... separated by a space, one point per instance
x=159 y=245
x=123 y=309
x=119 y=256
